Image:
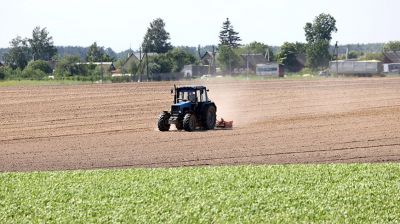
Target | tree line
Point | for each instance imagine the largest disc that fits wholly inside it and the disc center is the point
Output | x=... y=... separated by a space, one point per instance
x=28 y=57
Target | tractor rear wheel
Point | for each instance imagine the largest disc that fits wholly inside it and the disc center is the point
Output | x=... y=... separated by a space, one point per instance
x=189 y=122
x=210 y=118
x=162 y=123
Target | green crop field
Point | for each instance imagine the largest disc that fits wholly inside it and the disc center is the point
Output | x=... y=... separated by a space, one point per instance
x=362 y=193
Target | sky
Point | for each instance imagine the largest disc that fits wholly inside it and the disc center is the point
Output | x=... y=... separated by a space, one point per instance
x=121 y=24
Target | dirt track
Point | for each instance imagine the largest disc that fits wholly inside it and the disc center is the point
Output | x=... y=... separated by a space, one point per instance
x=114 y=125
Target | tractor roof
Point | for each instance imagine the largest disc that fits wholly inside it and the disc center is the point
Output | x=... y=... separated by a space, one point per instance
x=189 y=88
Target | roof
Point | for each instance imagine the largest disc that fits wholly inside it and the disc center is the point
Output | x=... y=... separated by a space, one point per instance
x=356 y=61
x=392 y=56
x=94 y=63
x=191 y=87
x=254 y=59
x=139 y=55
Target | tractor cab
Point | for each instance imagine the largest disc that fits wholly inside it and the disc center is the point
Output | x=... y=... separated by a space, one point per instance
x=193 y=94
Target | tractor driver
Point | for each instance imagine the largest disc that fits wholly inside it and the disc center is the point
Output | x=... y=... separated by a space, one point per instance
x=192 y=97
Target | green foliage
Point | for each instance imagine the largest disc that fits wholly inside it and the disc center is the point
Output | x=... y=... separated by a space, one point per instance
x=341 y=193
x=180 y=58
x=288 y=54
x=164 y=62
x=19 y=53
x=318 y=35
x=172 y=61
x=33 y=74
x=3 y=73
x=321 y=29
x=392 y=46
x=41 y=65
x=256 y=48
x=354 y=54
x=373 y=56
x=228 y=58
x=228 y=36
x=68 y=66
x=318 y=54
x=42 y=44
x=156 y=38
x=97 y=54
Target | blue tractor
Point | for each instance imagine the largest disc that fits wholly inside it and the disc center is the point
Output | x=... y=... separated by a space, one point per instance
x=191 y=109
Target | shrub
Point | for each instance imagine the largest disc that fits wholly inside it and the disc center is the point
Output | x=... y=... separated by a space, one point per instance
x=33 y=74
x=2 y=73
x=40 y=65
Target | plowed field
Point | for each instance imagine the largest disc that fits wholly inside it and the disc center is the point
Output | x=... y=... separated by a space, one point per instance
x=275 y=122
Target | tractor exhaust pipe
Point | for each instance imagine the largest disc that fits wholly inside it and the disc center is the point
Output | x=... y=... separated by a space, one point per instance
x=175 y=94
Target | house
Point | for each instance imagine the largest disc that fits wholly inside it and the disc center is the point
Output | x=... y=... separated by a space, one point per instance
x=134 y=58
x=197 y=70
x=252 y=60
x=208 y=58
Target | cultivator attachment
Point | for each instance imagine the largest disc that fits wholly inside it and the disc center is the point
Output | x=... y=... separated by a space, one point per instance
x=224 y=124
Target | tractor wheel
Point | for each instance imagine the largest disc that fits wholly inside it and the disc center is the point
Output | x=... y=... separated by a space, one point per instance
x=162 y=123
x=189 y=122
x=210 y=118
x=179 y=125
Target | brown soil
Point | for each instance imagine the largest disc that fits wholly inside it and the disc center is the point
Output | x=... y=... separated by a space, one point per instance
x=275 y=122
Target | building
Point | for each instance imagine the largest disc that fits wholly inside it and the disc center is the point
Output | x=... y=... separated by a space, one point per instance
x=392 y=62
x=252 y=60
x=197 y=70
x=393 y=68
x=352 y=67
x=271 y=69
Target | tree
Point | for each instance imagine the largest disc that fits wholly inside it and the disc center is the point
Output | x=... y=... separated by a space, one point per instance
x=318 y=36
x=228 y=36
x=354 y=54
x=289 y=53
x=180 y=58
x=318 y=54
x=373 y=56
x=97 y=54
x=164 y=62
x=68 y=66
x=19 y=53
x=228 y=58
x=256 y=48
x=321 y=29
x=392 y=46
x=42 y=44
x=40 y=65
x=156 y=38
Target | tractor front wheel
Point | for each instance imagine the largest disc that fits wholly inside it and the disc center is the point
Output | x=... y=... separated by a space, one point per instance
x=162 y=123
x=179 y=125
x=189 y=122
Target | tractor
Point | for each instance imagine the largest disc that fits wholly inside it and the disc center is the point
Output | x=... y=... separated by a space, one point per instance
x=191 y=109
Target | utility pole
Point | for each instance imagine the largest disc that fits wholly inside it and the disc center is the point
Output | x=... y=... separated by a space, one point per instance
x=140 y=63
x=147 y=66
x=337 y=58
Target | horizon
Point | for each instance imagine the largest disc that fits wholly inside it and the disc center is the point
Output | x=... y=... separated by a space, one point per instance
x=76 y=24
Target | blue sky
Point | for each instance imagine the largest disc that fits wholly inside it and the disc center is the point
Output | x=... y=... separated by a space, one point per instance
x=120 y=24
